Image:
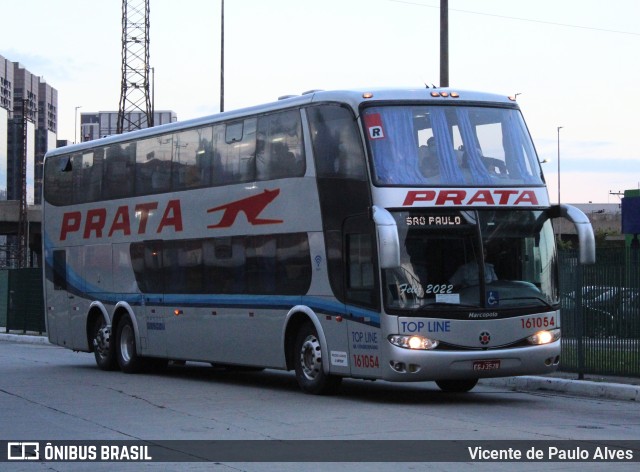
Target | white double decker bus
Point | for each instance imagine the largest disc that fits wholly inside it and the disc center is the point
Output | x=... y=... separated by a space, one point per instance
x=402 y=235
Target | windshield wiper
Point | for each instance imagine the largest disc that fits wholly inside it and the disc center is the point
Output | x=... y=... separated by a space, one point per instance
x=448 y=305
x=540 y=299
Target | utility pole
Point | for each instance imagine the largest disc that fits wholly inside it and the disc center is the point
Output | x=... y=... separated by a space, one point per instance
x=559 y=128
x=444 y=43
x=23 y=221
x=222 y=58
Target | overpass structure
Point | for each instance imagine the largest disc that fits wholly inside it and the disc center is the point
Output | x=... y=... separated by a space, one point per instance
x=9 y=221
x=10 y=216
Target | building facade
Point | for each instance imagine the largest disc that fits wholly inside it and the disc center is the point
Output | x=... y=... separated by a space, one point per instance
x=28 y=129
x=104 y=123
x=28 y=118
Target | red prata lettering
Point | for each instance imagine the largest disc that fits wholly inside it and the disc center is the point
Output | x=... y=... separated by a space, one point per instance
x=121 y=222
x=527 y=197
x=453 y=196
x=95 y=220
x=419 y=196
x=172 y=216
x=70 y=223
x=480 y=197
x=144 y=209
x=504 y=195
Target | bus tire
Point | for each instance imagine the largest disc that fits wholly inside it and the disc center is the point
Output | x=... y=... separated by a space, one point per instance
x=103 y=348
x=128 y=359
x=308 y=354
x=456 y=385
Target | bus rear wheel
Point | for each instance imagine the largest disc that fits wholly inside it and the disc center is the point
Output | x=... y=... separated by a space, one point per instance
x=456 y=385
x=128 y=359
x=308 y=363
x=103 y=348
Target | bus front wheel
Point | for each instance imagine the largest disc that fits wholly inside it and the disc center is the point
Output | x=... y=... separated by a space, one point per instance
x=456 y=386
x=308 y=363
x=128 y=359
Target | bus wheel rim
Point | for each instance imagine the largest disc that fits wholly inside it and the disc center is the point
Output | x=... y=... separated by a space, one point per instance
x=311 y=358
x=101 y=341
x=126 y=343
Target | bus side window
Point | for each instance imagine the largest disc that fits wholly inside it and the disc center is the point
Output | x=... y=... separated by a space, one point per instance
x=182 y=261
x=119 y=171
x=279 y=148
x=58 y=178
x=60 y=269
x=360 y=269
x=236 y=144
x=224 y=262
x=336 y=143
x=153 y=164
x=192 y=158
x=87 y=176
x=261 y=264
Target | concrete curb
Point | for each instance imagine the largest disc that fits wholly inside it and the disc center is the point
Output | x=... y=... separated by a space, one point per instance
x=24 y=338
x=527 y=383
x=586 y=388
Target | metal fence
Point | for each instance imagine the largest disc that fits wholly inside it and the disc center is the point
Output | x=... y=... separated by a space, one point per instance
x=21 y=300
x=601 y=313
x=600 y=310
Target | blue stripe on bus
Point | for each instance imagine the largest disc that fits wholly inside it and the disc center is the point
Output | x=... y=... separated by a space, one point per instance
x=265 y=302
x=322 y=305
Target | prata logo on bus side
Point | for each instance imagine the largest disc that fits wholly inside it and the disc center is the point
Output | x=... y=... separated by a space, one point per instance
x=455 y=197
x=250 y=206
x=97 y=223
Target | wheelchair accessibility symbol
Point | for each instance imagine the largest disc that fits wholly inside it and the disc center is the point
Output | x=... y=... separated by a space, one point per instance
x=493 y=298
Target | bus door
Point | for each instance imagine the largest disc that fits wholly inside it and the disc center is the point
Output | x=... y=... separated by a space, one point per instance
x=147 y=291
x=67 y=303
x=58 y=300
x=190 y=319
x=362 y=296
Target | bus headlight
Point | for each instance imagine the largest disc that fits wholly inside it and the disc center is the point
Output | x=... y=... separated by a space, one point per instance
x=544 y=337
x=413 y=342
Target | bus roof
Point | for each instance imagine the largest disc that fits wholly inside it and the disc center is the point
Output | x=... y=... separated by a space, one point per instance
x=352 y=97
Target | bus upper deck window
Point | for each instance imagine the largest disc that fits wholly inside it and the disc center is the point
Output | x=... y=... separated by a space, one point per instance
x=233 y=133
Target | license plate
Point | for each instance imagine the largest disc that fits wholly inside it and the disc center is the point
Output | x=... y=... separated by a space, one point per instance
x=486 y=365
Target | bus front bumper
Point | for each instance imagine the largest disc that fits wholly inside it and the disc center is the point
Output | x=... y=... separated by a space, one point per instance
x=405 y=365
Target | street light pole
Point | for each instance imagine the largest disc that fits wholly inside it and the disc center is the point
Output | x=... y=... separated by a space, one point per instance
x=559 y=128
x=222 y=57
x=444 y=43
x=75 y=126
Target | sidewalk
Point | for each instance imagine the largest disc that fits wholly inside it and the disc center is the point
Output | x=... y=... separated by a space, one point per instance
x=28 y=338
x=613 y=388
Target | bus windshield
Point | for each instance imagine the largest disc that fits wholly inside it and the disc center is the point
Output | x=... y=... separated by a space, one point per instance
x=494 y=260
x=447 y=145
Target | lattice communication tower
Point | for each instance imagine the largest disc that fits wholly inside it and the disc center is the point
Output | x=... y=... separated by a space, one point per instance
x=135 y=110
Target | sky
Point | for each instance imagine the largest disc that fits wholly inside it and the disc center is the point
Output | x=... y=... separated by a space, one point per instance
x=574 y=64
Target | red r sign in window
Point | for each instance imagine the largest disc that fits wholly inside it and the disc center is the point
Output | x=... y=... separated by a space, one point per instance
x=373 y=122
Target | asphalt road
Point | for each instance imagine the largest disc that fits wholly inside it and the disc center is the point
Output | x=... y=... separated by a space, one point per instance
x=51 y=394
